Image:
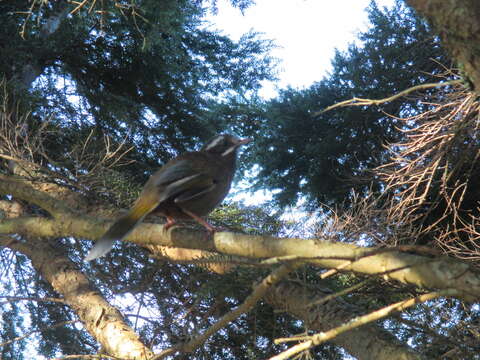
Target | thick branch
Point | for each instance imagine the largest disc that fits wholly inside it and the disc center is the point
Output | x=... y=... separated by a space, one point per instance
x=10 y=209
x=23 y=189
x=103 y=321
x=421 y=271
x=369 y=342
x=181 y=255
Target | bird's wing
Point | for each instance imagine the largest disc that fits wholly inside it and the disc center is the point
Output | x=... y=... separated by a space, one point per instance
x=194 y=193
x=192 y=184
x=177 y=179
x=172 y=172
x=180 y=180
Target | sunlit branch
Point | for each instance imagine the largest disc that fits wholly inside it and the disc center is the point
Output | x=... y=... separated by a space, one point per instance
x=367 y=102
x=317 y=339
x=258 y=292
x=25 y=191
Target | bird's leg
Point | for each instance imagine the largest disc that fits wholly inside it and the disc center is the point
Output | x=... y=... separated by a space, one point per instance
x=170 y=222
x=201 y=221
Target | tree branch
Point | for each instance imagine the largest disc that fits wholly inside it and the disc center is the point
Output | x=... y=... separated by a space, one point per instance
x=320 y=338
x=369 y=342
x=367 y=102
x=22 y=189
x=421 y=271
x=18 y=338
x=259 y=292
x=10 y=299
x=102 y=321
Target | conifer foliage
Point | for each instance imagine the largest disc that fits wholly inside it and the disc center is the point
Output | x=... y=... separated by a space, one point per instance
x=96 y=95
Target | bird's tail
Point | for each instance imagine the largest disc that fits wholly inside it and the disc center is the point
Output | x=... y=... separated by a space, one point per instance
x=122 y=227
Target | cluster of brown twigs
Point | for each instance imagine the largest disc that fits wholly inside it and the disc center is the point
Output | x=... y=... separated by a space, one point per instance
x=433 y=177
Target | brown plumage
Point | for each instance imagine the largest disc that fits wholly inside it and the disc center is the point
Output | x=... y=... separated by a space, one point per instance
x=188 y=186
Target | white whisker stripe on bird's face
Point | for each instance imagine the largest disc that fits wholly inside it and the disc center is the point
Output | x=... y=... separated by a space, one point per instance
x=229 y=150
x=215 y=142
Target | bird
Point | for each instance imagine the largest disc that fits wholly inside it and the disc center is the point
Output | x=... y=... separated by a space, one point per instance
x=186 y=187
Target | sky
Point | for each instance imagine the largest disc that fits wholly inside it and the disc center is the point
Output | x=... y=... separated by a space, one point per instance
x=306 y=31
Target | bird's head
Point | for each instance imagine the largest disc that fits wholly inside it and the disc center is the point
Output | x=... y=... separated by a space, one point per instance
x=224 y=144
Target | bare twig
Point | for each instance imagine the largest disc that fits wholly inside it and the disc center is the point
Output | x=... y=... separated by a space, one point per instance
x=311 y=341
x=246 y=306
x=367 y=102
x=10 y=299
x=18 y=338
x=432 y=177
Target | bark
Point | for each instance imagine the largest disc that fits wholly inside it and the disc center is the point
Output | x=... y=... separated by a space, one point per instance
x=10 y=209
x=369 y=342
x=191 y=256
x=102 y=321
x=457 y=23
x=107 y=325
x=420 y=271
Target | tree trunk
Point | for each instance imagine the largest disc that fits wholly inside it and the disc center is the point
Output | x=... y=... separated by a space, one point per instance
x=102 y=321
x=457 y=23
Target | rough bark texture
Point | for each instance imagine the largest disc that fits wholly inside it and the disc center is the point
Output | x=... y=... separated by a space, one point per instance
x=457 y=23
x=107 y=325
x=407 y=268
x=190 y=256
x=102 y=320
x=368 y=342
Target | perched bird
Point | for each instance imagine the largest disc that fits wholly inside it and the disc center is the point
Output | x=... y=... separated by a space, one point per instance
x=188 y=186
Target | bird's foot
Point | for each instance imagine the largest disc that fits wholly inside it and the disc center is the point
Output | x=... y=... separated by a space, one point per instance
x=170 y=222
x=210 y=229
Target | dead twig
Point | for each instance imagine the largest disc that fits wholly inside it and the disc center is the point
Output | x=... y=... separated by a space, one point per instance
x=258 y=292
x=317 y=339
x=367 y=102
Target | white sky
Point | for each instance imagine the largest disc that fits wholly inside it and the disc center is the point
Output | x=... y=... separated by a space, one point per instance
x=307 y=32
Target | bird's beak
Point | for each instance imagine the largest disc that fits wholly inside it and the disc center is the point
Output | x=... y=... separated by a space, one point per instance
x=243 y=141
x=236 y=144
